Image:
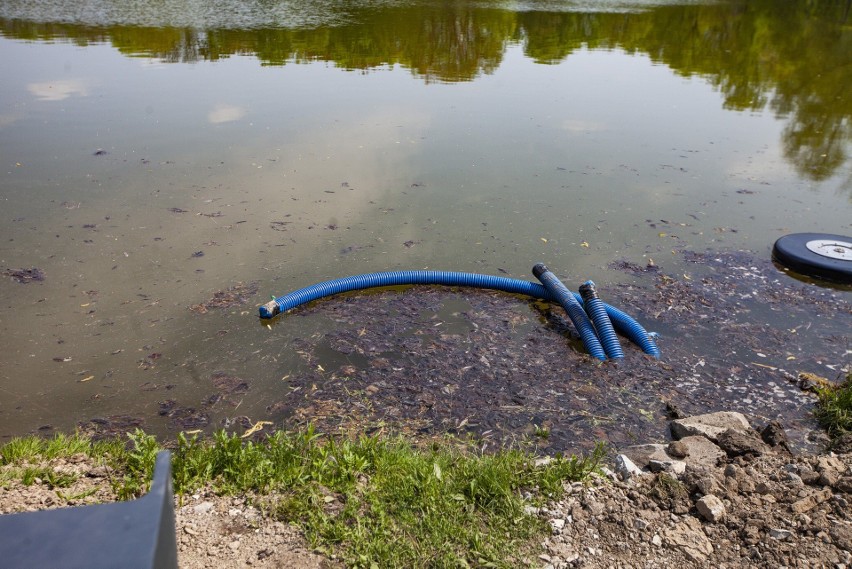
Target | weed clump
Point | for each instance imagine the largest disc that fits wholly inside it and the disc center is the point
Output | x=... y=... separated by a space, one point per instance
x=834 y=408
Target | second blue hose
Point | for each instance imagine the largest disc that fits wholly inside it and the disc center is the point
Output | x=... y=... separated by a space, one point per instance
x=603 y=325
x=573 y=308
x=622 y=322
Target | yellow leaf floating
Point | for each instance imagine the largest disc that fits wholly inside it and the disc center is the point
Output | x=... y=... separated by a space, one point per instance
x=255 y=428
x=584 y=244
x=87 y=378
x=543 y=240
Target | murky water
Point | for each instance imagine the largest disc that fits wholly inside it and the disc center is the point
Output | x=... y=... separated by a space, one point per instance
x=156 y=153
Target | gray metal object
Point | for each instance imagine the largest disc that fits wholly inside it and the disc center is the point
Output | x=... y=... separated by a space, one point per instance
x=139 y=534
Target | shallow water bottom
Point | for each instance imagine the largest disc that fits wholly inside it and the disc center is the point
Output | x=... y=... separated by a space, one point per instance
x=505 y=370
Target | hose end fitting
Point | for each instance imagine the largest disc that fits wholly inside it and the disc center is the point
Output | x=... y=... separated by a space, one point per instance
x=539 y=269
x=270 y=309
x=588 y=290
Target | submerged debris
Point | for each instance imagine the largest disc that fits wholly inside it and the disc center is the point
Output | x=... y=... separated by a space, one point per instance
x=25 y=276
x=188 y=418
x=100 y=428
x=240 y=293
x=629 y=267
x=228 y=384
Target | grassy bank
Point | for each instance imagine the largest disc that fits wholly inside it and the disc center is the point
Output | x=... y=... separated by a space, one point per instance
x=834 y=410
x=373 y=501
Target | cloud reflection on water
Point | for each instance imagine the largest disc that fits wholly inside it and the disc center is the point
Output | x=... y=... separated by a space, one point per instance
x=222 y=113
x=58 y=90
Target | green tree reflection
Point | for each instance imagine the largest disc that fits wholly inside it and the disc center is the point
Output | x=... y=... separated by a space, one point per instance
x=793 y=58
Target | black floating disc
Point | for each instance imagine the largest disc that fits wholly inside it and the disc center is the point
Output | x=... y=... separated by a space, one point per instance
x=816 y=254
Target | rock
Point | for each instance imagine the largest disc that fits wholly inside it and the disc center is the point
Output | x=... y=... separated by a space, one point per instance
x=841 y=534
x=609 y=473
x=774 y=435
x=676 y=467
x=688 y=536
x=830 y=462
x=844 y=484
x=701 y=451
x=625 y=468
x=829 y=478
x=793 y=479
x=739 y=443
x=830 y=470
x=810 y=502
x=678 y=449
x=710 y=425
x=808 y=474
x=557 y=525
x=641 y=455
x=702 y=480
x=711 y=508
x=780 y=534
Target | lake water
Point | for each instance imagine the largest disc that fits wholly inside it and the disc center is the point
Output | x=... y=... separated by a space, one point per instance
x=154 y=153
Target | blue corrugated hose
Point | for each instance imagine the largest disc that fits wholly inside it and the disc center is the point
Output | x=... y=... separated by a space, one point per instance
x=603 y=325
x=573 y=307
x=622 y=321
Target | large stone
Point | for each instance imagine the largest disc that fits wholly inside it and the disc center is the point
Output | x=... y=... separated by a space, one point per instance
x=701 y=451
x=641 y=455
x=710 y=425
x=738 y=443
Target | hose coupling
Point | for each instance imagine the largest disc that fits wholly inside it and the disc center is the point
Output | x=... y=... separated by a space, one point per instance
x=588 y=291
x=270 y=309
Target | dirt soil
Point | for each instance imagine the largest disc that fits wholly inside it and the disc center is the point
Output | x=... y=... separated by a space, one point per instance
x=777 y=510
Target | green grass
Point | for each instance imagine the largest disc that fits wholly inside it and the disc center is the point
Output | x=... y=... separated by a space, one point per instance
x=29 y=458
x=374 y=502
x=834 y=408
